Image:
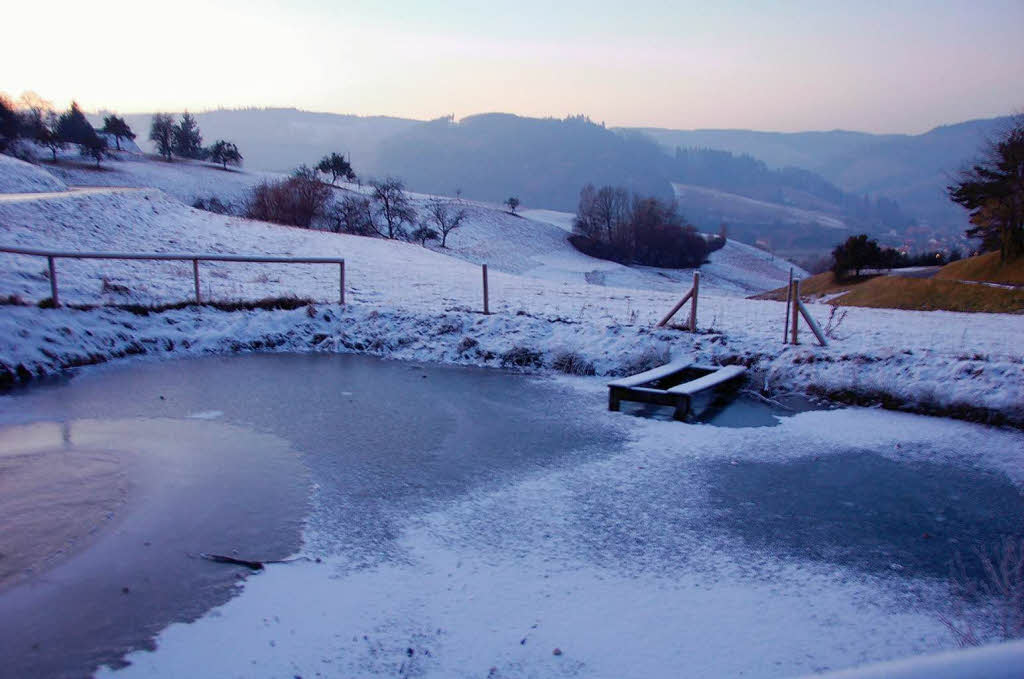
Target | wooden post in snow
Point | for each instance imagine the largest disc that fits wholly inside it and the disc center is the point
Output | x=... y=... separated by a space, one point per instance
x=53 y=282
x=693 y=301
x=789 y=300
x=796 y=316
x=195 y=279
x=341 y=282
x=679 y=305
x=487 y=307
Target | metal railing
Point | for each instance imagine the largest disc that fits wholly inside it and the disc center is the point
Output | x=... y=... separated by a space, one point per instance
x=53 y=255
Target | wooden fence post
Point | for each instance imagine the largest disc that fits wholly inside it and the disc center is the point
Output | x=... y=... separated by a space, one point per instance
x=53 y=282
x=487 y=308
x=341 y=282
x=195 y=279
x=796 y=316
x=693 y=301
x=789 y=300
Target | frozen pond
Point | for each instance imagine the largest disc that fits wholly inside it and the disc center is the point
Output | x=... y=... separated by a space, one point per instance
x=466 y=522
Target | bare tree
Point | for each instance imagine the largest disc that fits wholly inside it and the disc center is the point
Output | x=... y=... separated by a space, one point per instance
x=585 y=223
x=392 y=208
x=610 y=211
x=446 y=219
x=512 y=203
x=353 y=215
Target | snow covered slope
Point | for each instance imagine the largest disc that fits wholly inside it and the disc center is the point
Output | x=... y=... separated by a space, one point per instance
x=17 y=176
x=534 y=244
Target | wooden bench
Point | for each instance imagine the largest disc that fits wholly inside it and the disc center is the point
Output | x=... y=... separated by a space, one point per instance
x=686 y=390
x=644 y=388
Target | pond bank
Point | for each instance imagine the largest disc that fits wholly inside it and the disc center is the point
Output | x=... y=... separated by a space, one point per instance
x=975 y=385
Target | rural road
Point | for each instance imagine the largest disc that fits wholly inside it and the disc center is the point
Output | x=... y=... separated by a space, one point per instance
x=916 y=272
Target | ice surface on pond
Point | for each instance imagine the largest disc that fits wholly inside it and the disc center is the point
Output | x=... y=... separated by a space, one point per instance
x=625 y=564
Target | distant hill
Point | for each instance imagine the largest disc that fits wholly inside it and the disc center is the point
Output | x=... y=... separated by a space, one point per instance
x=910 y=169
x=544 y=162
x=880 y=184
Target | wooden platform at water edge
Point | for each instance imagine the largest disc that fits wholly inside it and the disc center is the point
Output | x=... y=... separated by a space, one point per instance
x=664 y=385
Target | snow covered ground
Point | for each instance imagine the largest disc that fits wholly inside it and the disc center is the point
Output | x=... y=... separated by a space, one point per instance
x=547 y=296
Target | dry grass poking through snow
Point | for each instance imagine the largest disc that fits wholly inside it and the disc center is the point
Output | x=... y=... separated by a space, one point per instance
x=1001 y=588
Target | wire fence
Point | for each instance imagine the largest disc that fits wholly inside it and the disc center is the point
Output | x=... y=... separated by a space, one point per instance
x=410 y=282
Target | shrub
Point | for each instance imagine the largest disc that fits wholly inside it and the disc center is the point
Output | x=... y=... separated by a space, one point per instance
x=522 y=357
x=212 y=204
x=296 y=201
x=612 y=224
x=571 y=363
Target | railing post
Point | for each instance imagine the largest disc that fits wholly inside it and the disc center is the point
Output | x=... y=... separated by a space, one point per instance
x=53 y=282
x=487 y=308
x=796 y=315
x=341 y=282
x=693 y=301
x=195 y=279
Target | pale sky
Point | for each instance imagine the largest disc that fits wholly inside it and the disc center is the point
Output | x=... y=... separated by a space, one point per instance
x=815 y=65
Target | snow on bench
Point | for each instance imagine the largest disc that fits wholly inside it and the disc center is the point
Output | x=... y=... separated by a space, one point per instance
x=659 y=373
x=712 y=380
x=633 y=388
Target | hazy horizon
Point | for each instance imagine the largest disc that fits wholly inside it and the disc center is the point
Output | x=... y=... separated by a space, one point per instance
x=201 y=111
x=903 y=67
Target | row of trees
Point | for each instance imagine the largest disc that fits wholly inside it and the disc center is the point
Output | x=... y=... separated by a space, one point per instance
x=34 y=119
x=185 y=140
x=387 y=211
x=860 y=252
x=612 y=223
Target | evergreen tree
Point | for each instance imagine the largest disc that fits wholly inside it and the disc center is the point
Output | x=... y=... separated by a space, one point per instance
x=161 y=133
x=10 y=126
x=73 y=127
x=187 y=142
x=118 y=129
x=993 y=190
